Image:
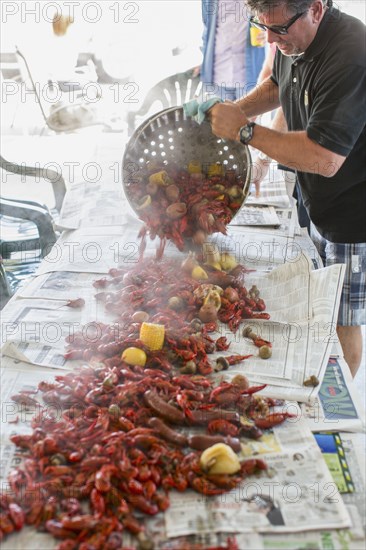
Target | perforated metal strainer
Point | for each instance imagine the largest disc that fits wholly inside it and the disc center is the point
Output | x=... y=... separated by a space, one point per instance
x=169 y=137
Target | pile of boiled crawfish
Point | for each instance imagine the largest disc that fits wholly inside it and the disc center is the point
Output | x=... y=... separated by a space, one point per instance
x=111 y=439
x=182 y=204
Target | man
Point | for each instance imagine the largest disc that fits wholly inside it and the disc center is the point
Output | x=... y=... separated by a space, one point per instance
x=318 y=79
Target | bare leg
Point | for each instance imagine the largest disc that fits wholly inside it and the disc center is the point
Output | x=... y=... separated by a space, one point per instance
x=351 y=342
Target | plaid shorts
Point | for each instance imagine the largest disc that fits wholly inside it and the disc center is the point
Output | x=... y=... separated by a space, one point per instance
x=352 y=308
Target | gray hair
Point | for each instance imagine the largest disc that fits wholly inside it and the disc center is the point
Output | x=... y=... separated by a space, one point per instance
x=292 y=6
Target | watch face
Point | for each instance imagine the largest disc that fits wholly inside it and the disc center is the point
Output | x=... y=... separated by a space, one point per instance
x=244 y=133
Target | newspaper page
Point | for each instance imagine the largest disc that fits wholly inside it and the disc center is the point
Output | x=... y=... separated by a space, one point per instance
x=338 y=406
x=35 y=331
x=265 y=248
x=313 y=540
x=60 y=285
x=354 y=452
x=256 y=215
x=295 y=494
x=301 y=328
x=80 y=208
x=93 y=249
x=273 y=190
x=289 y=224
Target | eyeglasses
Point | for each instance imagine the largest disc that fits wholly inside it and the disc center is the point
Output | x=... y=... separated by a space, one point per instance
x=277 y=29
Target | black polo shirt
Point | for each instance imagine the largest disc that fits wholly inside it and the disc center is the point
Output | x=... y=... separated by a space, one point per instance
x=323 y=91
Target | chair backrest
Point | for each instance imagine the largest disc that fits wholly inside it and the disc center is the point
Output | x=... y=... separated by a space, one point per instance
x=169 y=92
x=63 y=116
x=9 y=66
x=25 y=226
x=55 y=178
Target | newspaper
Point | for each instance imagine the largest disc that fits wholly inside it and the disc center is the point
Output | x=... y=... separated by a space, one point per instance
x=345 y=457
x=338 y=405
x=296 y=494
x=354 y=450
x=93 y=249
x=256 y=215
x=80 y=209
x=62 y=285
x=289 y=224
x=46 y=321
x=303 y=305
x=314 y=540
x=273 y=190
x=35 y=331
x=259 y=248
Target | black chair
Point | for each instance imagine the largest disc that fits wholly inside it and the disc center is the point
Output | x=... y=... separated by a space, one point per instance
x=169 y=92
x=26 y=227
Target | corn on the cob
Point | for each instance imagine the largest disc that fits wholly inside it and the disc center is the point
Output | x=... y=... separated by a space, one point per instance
x=215 y=170
x=194 y=167
x=152 y=335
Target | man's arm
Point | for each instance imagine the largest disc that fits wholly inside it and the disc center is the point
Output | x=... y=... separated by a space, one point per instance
x=262 y=99
x=292 y=149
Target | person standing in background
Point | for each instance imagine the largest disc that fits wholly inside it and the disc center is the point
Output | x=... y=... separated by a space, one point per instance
x=233 y=54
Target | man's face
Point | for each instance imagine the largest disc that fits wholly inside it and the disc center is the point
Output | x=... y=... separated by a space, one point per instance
x=299 y=35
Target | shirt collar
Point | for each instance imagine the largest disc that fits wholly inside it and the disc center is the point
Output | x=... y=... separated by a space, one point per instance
x=323 y=35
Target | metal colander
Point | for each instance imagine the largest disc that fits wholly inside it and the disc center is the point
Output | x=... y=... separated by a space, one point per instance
x=169 y=137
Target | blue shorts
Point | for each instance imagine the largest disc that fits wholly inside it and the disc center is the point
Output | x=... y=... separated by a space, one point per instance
x=352 y=309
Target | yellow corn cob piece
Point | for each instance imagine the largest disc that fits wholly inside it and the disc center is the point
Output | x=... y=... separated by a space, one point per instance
x=215 y=170
x=194 y=167
x=152 y=335
x=134 y=356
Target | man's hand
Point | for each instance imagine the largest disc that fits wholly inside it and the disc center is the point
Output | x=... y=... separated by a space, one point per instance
x=227 y=119
x=259 y=172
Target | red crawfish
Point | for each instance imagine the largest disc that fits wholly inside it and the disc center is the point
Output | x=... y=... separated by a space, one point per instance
x=272 y=419
x=227 y=393
x=221 y=426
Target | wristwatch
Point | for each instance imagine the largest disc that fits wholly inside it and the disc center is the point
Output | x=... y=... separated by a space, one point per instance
x=246 y=133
